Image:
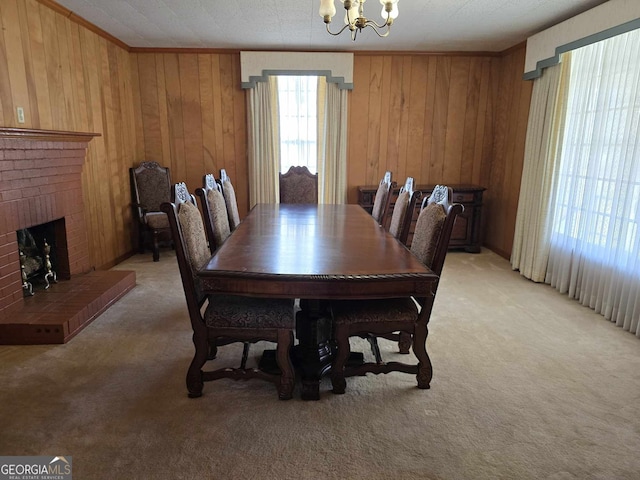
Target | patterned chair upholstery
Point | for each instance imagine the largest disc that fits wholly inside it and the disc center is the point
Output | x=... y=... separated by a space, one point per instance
x=227 y=318
x=229 y=194
x=150 y=187
x=403 y=211
x=382 y=199
x=298 y=185
x=214 y=211
x=386 y=316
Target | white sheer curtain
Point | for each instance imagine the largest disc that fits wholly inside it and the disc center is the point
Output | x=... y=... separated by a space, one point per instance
x=531 y=239
x=595 y=241
x=332 y=144
x=298 y=108
x=264 y=142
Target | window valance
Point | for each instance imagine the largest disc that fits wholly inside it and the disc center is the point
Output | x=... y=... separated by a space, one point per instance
x=604 y=21
x=257 y=66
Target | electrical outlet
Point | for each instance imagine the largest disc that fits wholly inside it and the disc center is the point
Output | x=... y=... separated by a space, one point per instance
x=20 y=114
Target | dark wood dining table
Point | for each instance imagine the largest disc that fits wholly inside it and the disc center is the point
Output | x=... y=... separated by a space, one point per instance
x=315 y=253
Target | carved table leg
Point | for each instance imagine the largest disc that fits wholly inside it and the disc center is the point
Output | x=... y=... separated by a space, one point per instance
x=314 y=351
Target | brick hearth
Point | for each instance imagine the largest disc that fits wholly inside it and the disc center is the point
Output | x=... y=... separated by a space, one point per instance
x=40 y=181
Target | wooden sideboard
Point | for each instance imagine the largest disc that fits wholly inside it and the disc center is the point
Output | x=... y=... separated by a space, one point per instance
x=467 y=229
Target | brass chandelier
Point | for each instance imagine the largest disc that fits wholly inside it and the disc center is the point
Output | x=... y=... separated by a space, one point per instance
x=354 y=18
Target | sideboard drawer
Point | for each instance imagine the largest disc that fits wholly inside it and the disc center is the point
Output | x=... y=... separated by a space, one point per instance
x=462 y=197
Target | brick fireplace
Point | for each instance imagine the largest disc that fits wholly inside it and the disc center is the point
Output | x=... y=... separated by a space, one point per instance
x=40 y=182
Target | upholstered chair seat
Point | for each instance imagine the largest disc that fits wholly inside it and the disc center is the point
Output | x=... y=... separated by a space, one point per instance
x=350 y=312
x=234 y=311
x=156 y=220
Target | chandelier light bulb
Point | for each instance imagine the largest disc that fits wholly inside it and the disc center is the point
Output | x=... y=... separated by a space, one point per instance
x=351 y=14
x=392 y=14
x=327 y=9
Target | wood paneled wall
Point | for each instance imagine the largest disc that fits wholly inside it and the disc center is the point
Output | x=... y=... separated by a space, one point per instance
x=66 y=77
x=513 y=96
x=192 y=116
x=425 y=116
x=439 y=118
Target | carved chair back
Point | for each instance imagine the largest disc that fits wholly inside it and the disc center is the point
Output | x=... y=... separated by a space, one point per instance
x=214 y=211
x=434 y=226
x=230 y=199
x=298 y=185
x=191 y=247
x=382 y=199
x=152 y=186
x=403 y=211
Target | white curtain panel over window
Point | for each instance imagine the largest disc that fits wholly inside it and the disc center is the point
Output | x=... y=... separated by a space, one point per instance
x=264 y=142
x=332 y=144
x=595 y=242
x=532 y=233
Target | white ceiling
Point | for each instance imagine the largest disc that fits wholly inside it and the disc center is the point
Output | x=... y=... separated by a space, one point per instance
x=422 y=25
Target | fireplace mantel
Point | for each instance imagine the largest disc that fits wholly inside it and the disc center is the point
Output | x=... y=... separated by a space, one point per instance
x=46 y=135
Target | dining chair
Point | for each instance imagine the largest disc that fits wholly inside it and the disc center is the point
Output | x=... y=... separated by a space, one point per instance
x=384 y=316
x=150 y=187
x=214 y=211
x=402 y=214
x=382 y=199
x=298 y=185
x=227 y=318
x=399 y=227
x=231 y=202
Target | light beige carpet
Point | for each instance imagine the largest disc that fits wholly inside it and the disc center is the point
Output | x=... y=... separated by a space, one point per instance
x=527 y=385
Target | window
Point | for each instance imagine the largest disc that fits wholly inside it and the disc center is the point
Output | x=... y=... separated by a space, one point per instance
x=597 y=214
x=298 y=116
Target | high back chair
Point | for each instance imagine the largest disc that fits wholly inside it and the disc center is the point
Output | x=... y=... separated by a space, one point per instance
x=214 y=211
x=229 y=194
x=298 y=185
x=226 y=318
x=403 y=211
x=150 y=187
x=382 y=199
x=384 y=316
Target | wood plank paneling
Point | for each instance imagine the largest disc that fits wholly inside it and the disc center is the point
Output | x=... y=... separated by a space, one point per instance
x=357 y=144
x=194 y=116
